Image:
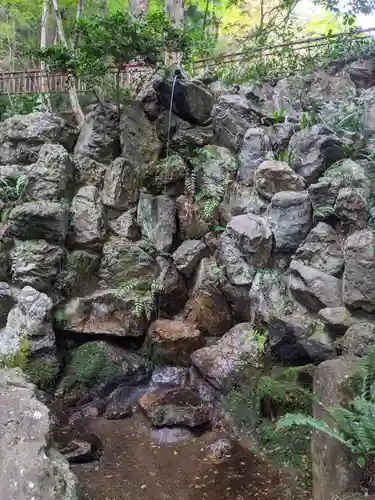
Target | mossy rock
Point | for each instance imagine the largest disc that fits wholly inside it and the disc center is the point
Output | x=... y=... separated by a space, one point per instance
x=43 y=373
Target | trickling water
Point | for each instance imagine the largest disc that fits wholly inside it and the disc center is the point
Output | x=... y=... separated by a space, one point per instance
x=170 y=112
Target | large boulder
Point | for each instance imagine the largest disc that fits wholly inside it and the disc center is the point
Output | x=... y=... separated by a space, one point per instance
x=172 y=287
x=156 y=217
x=99 y=135
x=126 y=225
x=358 y=339
x=35 y=263
x=290 y=218
x=78 y=273
x=87 y=219
x=313 y=150
x=351 y=208
x=271 y=177
x=170 y=175
x=192 y=222
x=22 y=136
x=268 y=296
x=254 y=150
x=173 y=341
x=358 y=285
x=337 y=319
x=322 y=250
x=51 y=177
x=88 y=172
x=122 y=181
x=30 y=467
x=181 y=135
x=241 y=200
x=326 y=88
x=220 y=362
x=42 y=219
x=238 y=270
x=190 y=101
x=362 y=72
x=188 y=255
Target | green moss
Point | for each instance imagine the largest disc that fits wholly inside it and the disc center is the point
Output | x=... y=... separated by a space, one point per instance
x=351 y=386
x=18 y=359
x=43 y=373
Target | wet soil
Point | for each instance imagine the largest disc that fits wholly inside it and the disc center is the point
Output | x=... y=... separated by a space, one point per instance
x=140 y=463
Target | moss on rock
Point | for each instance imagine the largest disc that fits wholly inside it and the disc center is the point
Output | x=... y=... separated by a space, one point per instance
x=43 y=373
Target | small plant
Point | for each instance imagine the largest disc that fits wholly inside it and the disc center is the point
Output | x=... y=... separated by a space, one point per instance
x=19 y=358
x=219 y=229
x=281 y=155
x=217 y=269
x=279 y=115
x=208 y=203
x=307 y=119
x=147 y=245
x=145 y=300
x=10 y=191
x=62 y=317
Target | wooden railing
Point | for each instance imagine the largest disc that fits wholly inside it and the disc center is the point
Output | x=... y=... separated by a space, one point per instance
x=34 y=81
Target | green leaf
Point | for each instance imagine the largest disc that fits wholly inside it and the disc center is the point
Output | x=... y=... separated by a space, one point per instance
x=361 y=461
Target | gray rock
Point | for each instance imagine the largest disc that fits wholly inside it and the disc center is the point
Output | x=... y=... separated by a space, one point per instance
x=328 y=88
x=362 y=72
x=280 y=134
x=338 y=319
x=170 y=174
x=124 y=262
x=32 y=469
x=51 y=177
x=87 y=219
x=313 y=150
x=315 y=289
x=6 y=303
x=358 y=339
x=351 y=208
x=274 y=176
x=43 y=219
x=237 y=268
x=22 y=136
x=156 y=217
x=254 y=151
x=290 y=218
x=78 y=274
x=173 y=291
x=188 y=255
x=35 y=263
x=322 y=250
x=149 y=98
x=99 y=135
x=237 y=297
x=122 y=181
x=219 y=363
x=241 y=200
x=191 y=220
x=217 y=167
x=126 y=225
x=358 y=285
x=268 y=296
x=170 y=376
x=88 y=171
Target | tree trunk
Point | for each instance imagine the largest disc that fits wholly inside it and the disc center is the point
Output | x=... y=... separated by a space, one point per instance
x=176 y=11
x=72 y=89
x=78 y=18
x=138 y=6
x=44 y=87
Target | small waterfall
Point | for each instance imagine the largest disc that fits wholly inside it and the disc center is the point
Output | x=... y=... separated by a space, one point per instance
x=170 y=112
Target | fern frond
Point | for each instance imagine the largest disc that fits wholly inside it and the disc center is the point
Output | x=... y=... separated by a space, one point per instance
x=126 y=287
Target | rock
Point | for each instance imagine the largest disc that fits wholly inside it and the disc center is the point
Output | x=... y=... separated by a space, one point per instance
x=37 y=220
x=216 y=168
x=140 y=145
x=173 y=341
x=116 y=409
x=191 y=220
x=315 y=289
x=254 y=151
x=149 y=98
x=31 y=467
x=87 y=219
x=99 y=136
x=122 y=182
x=273 y=176
x=191 y=102
x=126 y=225
x=334 y=471
x=124 y=262
x=338 y=319
x=328 y=88
x=169 y=376
x=98 y=365
x=237 y=268
x=78 y=274
x=268 y=296
x=362 y=72
x=51 y=177
x=170 y=176
x=231 y=118
x=6 y=244
x=35 y=263
x=322 y=250
x=207 y=307
x=219 y=363
x=176 y=407
x=77 y=447
x=351 y=208
x=6 y=303
x=358 y=287
x=241 y=200
x=29 y=320
x=173 y=292
x=358 y=339
x=237 y=297
x=289 y=216
x=104 y=312
x=188 y=255
x=280 y=134
x=313 y=150
x=156 y=217
x=220 y=450
x=88 y=171
x=22 y=136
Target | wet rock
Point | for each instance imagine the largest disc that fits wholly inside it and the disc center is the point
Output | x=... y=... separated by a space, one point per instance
x=338 y=319
x=173 y=292
x=126 y=225
x=25 y=446
x=36 y=220
x=313 y=151
x=237 y=268
x=241 y=200
x=191 y=102
x=176 y=407
x=99 y=136
x=22 y=136
x=254 y=151
x=6 y=244
x=156 y=217
x=314 y=288
x=123 y=262
x=188 y=255
x=6 y=302
x=88 y=171
x=362 y=72
x=35 y=263
x=78 y=274
x=218 y=363
x=51 y=177
x=289 y=216
x=192 y=222
x=173 y=341
x=77 y=446
x=351 y=208
x=104 y=312
x=87 y=219
x=322 y=250
x=216 y=168
x=268 y=296
x=170 y=376
x=122 y=181
x=274 y=176
x=358 y=339
x=358 y=285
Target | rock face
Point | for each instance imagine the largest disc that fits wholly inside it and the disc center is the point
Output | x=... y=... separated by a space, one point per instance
x=121 y=184
x=30 y=467
x=188 y=255
x=254 y=149
x=358 y=339
x=271 y=177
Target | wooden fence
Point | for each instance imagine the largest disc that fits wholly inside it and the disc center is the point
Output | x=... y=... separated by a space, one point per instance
x=32 y=81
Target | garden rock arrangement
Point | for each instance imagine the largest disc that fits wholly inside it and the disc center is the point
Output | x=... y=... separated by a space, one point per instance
x=183 y=235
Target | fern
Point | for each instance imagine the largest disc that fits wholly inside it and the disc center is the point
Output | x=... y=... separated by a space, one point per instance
x=125 y=288
x=190 y=183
